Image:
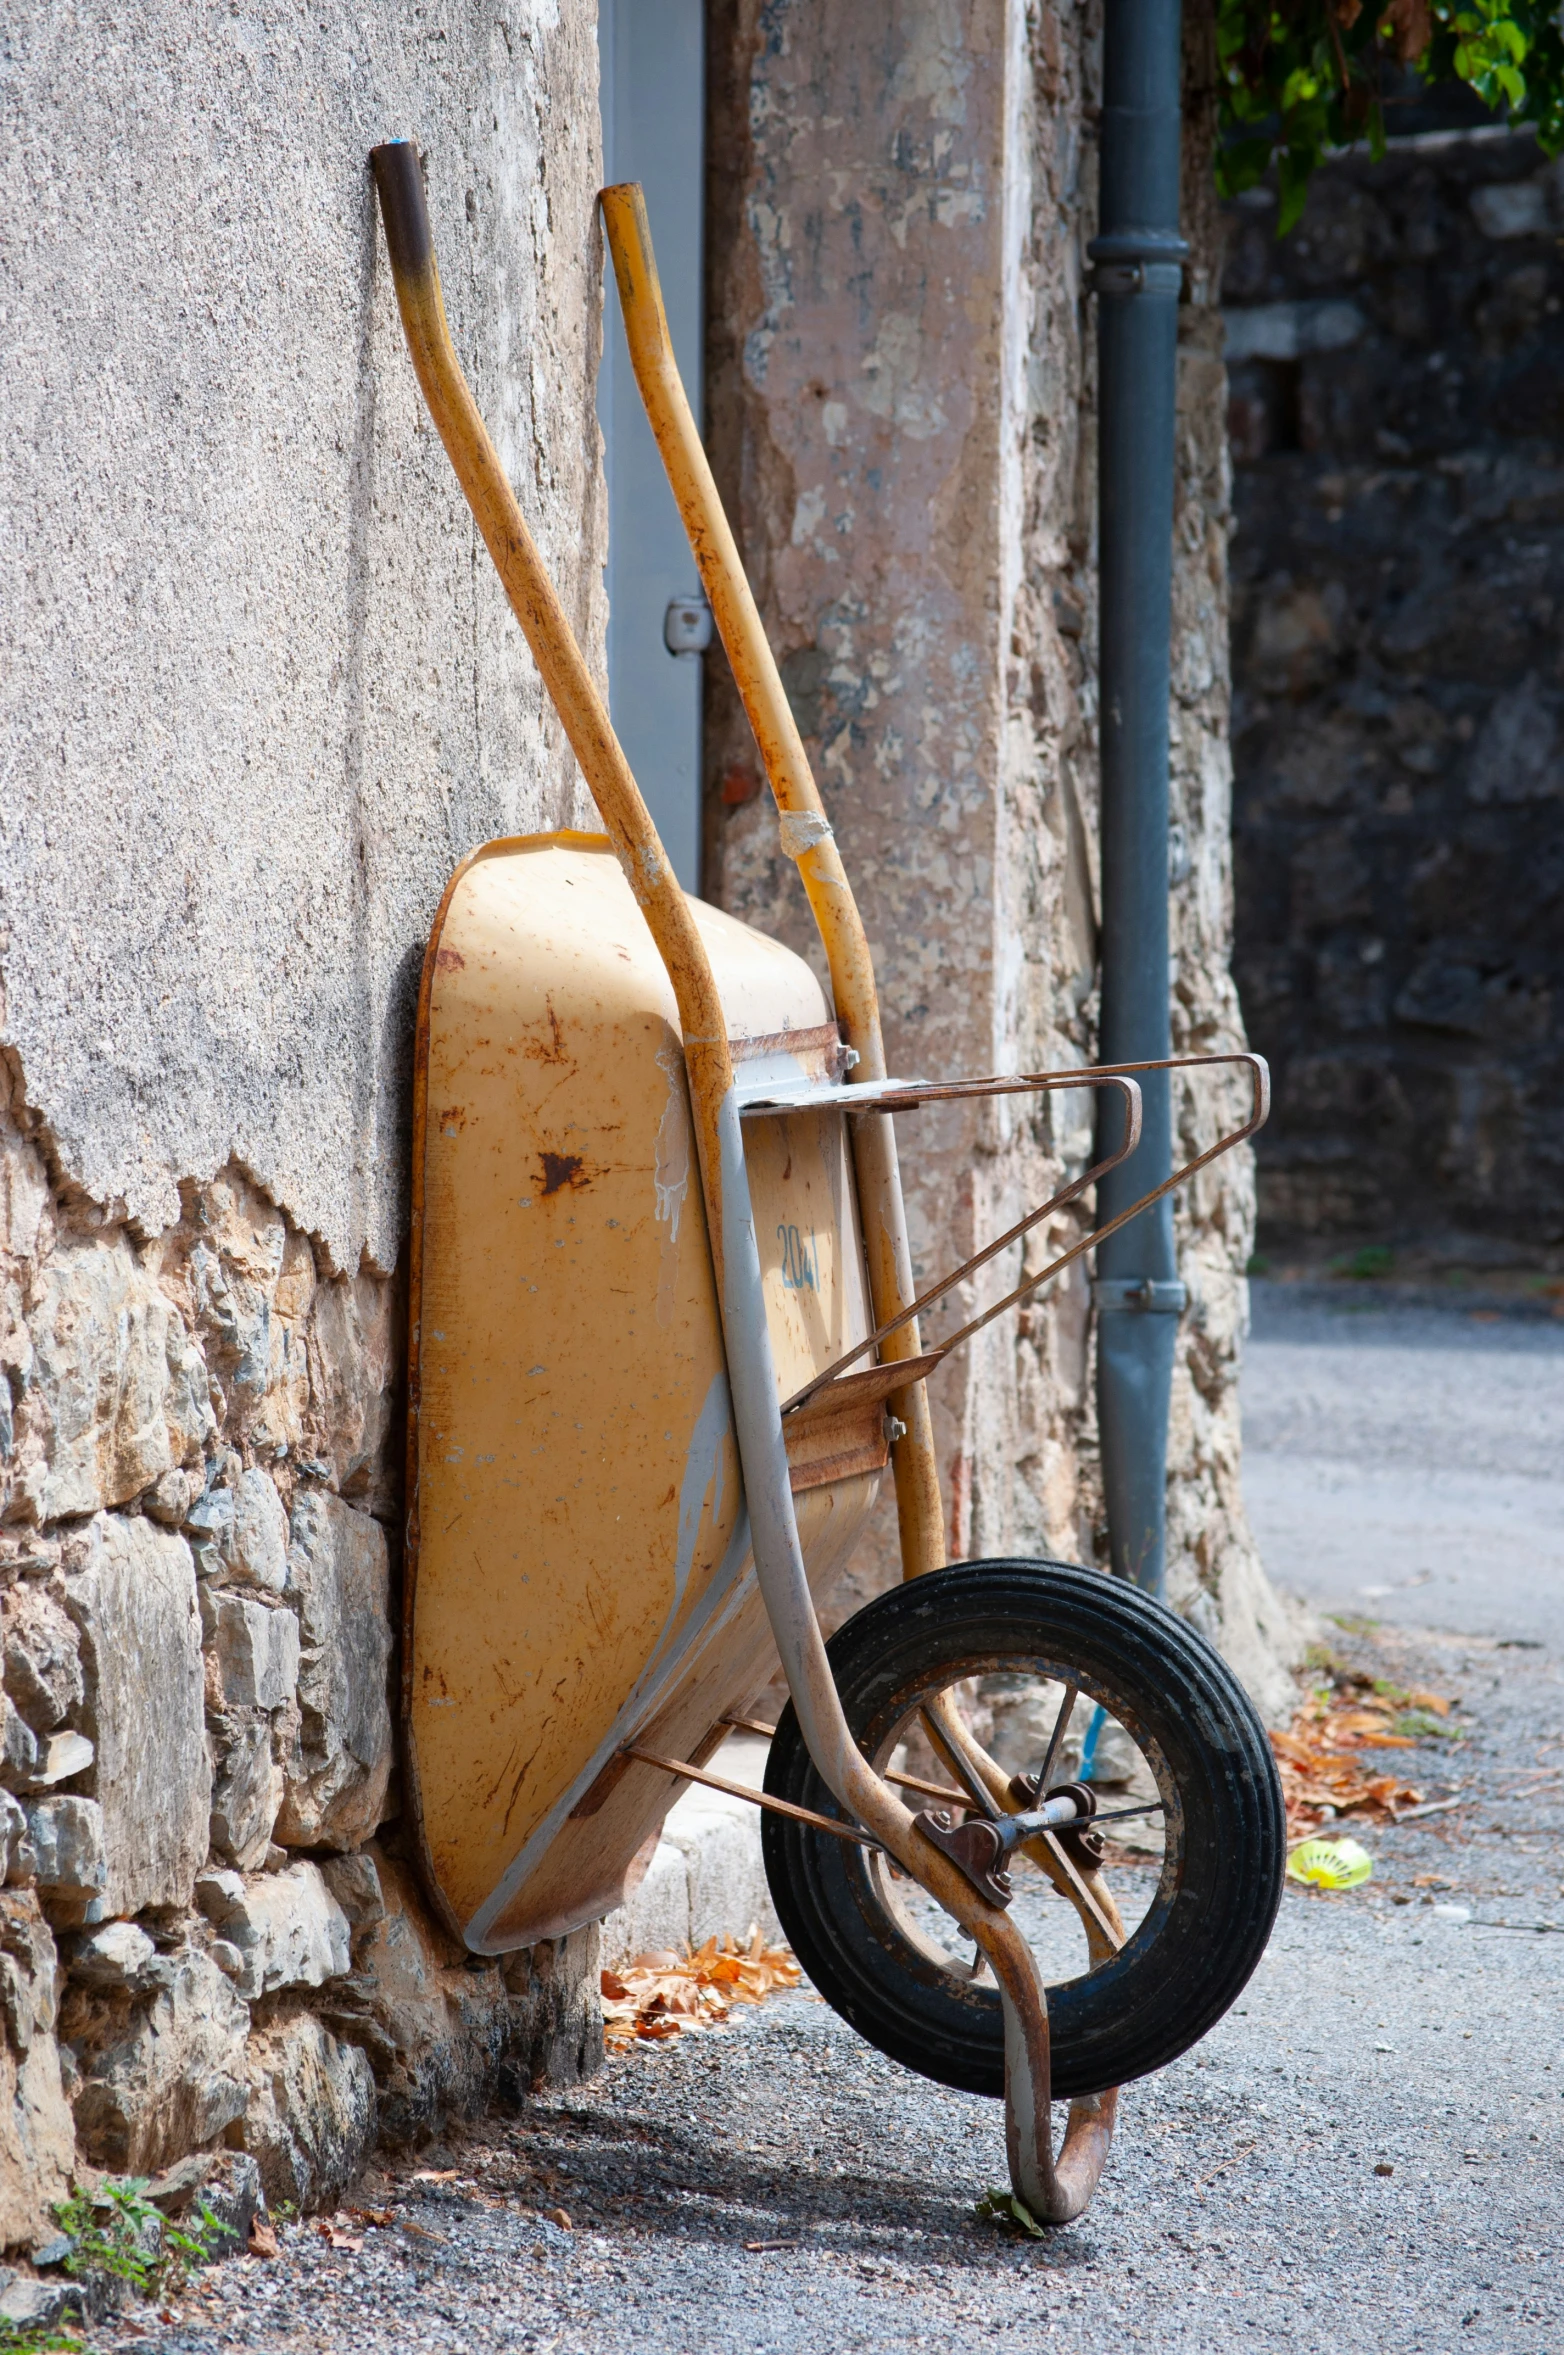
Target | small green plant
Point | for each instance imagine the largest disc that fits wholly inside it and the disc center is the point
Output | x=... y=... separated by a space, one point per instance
x=1421 y=1725
x=1367 y=1266
x=1257 y=1264
x=118 y=2234
x=40 y=2338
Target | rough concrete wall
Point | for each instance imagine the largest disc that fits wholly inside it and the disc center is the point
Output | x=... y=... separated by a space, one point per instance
x=899 y=388
x=261 y=692
x=1399 y=568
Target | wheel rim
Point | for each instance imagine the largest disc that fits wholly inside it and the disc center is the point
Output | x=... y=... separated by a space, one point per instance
x=1007 y=1701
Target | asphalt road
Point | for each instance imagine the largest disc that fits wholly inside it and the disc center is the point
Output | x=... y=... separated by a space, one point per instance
x=1366 y=2157
x=1408 y=1463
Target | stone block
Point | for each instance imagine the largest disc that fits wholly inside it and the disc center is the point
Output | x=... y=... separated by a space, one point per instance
x=64 y=1852
x=1514 y=208
x=134 y=1603
x=37 y=2138
x=257 y=1650
x=1288 y=331
x=18 y=1747
x=247 y=1790
x=339 y=1583
x=169 y=1499
x=310 y=2121
x=209 y=1526
x=225 y=2185
x=258 y=1547
x=556 y=2023
x=287 y=1926
x=437 y=2026
x=34 y=2306
x=42 y=1657
x=13 y=1841
x=159 y=2074
x=25 y=1201
x=117 y=1954
x=354 y=1350
x=118 y=1389
x=238 y=1531
x=58 y=1758
x=354 y=1881
x=252 y=1279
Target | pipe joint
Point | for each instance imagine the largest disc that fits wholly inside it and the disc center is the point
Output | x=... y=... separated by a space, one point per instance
x=1142 y=1295
x=1137 y=261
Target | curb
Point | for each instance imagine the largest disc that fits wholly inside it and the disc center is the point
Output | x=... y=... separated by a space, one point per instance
x=706 y=1879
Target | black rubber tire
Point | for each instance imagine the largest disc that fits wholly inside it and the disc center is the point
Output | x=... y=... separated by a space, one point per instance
x=1226 y=1838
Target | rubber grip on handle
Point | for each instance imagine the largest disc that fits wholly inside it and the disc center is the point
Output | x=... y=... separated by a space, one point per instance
x=399 y=176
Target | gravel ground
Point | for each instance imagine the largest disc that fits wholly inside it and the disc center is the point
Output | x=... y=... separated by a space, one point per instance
x=1364 y=2155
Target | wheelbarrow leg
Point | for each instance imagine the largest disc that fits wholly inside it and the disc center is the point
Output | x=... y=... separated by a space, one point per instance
x=1054 y=2191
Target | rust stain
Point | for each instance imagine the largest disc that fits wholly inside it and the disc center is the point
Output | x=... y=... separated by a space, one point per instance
x=553 y=1048
x=450 y=960
x=563 y=1169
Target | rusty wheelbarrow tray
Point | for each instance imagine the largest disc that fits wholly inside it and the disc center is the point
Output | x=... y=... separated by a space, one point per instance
x=664 y=1331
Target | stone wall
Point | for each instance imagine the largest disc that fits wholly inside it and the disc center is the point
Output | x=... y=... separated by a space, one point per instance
x=261 y=692
x=1399 y=576
x=899 y=389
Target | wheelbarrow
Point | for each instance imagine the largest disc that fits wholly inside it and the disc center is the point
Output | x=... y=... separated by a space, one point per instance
x=665 y=1343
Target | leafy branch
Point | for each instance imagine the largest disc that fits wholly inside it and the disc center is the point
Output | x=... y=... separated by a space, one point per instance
x=1300 y=79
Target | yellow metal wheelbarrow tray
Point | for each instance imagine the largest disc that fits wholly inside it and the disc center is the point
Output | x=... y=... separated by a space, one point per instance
x=665 y=1343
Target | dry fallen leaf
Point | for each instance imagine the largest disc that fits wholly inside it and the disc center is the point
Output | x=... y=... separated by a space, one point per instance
x=381 y=2216
x=660 y=1994
x=1323 y=1778
x=435 y=2175
x=334 y=2237
x=559 y=2217
x=263 y=2241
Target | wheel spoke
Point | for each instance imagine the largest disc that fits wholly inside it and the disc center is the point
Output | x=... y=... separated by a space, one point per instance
x=1061 y=1727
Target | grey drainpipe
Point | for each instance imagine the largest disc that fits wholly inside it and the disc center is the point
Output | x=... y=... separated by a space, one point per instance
x=1137 y=257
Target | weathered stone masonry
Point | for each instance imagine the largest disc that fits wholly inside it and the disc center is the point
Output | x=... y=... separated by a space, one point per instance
x=197 y=1604
x=1398 y=574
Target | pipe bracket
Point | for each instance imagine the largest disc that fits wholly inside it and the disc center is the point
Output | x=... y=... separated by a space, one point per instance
x=1143 y=1294
x=1135 y=278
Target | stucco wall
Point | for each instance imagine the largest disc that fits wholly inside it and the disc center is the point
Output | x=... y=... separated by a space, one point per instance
x=261 y=693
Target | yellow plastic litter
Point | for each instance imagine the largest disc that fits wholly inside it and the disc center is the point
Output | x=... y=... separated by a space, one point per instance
x=1330 y=1864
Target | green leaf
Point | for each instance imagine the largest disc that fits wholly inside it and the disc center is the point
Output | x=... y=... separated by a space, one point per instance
x=1002 y=2207
x=1296 y=83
